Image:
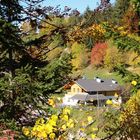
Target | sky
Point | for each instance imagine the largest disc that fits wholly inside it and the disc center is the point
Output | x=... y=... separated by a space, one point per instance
x=81 y=5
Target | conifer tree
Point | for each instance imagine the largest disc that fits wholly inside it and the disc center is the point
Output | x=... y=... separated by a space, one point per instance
x=27 y=80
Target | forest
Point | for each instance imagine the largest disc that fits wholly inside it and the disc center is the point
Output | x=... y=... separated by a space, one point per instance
x=42 y=48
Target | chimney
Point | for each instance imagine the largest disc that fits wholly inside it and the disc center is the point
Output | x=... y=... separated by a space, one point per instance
x=114 y=81
x=99 y=80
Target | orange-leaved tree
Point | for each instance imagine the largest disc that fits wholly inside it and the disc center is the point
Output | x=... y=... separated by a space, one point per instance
x=98 y=53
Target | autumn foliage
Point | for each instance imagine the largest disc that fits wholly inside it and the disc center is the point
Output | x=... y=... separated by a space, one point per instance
x=80 y=56
x=95 y=31
x=98 y=53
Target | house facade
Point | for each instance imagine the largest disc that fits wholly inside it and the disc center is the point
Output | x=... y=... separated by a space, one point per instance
x=96 y=89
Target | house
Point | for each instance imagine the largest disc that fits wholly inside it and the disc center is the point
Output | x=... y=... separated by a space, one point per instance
x=95 y=90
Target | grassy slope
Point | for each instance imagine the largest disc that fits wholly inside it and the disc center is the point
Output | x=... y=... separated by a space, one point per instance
x=81 y=116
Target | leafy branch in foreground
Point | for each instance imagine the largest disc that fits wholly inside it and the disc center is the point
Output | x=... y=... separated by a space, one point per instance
x=125 y=124
x=26 y=81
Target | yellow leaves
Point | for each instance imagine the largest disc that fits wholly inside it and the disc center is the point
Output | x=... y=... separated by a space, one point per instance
x=66 y=111
x=42 y=130
x=133 y=36
x=58 y=126
x=120 y=28
x=64 y=127
x=65 y=114
x=52 y=136
x=49 y=128
x=97 y=28
x=65 y=118
x=82 y=129
x=25 y=131
x=41 y=134
x=134 y=83
x=52 y=122
x=94 y=129
x=80 y=55
x=33 y=133
x=90 y=119
x=129 y=117
x=116 y=95
x=39 y=128
x=40 y=121
x=70 y=123
x=109 y=102
x=51 y=102
x=95 y=31
x=123 y=33
x=54 y=117
x=93 y=136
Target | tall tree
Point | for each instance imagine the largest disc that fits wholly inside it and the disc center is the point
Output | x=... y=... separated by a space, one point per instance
x=26 y=78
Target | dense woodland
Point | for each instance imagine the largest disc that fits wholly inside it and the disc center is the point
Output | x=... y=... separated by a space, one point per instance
x=43 y=48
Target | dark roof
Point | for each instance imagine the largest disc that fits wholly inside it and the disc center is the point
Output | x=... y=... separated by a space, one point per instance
x=93 y=85
x=81 y=97
x=86 y=97
x=96 y=96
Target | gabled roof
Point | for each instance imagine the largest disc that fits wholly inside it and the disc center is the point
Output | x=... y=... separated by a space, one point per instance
x=91 y=85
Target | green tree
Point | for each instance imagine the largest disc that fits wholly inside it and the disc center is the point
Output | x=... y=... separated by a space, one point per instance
x=26 y=77
x=119 y=10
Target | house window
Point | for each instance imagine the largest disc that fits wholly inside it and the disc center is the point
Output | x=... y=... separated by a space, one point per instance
x=78 y=90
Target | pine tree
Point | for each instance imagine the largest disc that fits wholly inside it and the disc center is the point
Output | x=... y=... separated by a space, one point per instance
x=26 y=80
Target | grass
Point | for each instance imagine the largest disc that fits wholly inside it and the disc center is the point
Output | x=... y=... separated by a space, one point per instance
x=81 y=115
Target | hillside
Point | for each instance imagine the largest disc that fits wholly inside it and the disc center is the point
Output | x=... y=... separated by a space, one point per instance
x=43 y=48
